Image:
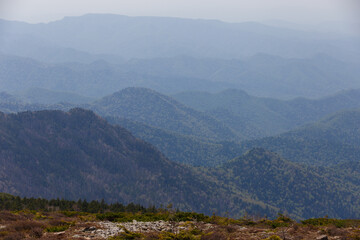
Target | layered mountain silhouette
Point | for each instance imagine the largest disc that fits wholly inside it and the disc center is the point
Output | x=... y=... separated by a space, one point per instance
x=332 y=140
x=255 y=117
x=191 y=136
x=158 y=110
x=182 y=148
x=77 y=154
x=79 y=118
x=149 y=37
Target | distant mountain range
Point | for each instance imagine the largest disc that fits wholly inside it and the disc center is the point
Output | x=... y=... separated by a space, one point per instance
x=151 y=37
x=256 y=117
x=332 y=140
x=79 y=155
x=94 y=54
x=45 y=96
x=324 y=143
x=193 y=137
x=260 y=75
x=96 y=79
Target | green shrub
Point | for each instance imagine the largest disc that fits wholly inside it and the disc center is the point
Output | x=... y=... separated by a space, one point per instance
x=190 y=216
x=73 y=213
x=111 y=216
x=280 y=221
x=339 y=223
x=57 y=228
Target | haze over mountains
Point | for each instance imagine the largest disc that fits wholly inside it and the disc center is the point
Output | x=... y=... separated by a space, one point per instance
x=261 y=75
x=210 y=116
x=149 y=37
x=172 y=55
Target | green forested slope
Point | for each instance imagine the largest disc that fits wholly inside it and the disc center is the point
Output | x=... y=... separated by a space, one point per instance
x=182 y=148
x=158 y=110
x=254 y=117
x=189 y=136
x=271 y=179
x=79 y=155
x=334 y=139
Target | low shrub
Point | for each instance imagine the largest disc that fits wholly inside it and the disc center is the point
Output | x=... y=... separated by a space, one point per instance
x=24 y=225
x=280 y=221
x=36 y=232
x=57 y=228
x=339 y=223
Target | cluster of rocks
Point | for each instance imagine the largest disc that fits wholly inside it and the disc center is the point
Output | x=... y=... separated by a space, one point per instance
x=157 y=226
x=104 y=230
x=99 y=230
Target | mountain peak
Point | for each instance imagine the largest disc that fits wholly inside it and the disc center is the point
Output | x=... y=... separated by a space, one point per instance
x=158 y=110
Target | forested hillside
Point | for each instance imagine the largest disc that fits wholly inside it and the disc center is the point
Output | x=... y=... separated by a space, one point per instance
x=79 y=155
x=284 y=184
x=255 y=117
x=182 y=148
x=333 y=140
x=189 y=136
x=158 y=110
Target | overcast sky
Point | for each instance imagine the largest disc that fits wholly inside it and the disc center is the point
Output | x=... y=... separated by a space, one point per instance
x=298 y=11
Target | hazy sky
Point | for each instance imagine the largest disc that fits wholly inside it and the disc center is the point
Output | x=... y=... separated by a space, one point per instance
x=298 y=11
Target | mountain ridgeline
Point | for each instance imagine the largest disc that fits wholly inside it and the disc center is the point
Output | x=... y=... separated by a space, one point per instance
x=260 y=75
x=203 y=138
x=256 y=117
x=77 y=154
x=155 y=109
x=332 y=140
x=151 y=37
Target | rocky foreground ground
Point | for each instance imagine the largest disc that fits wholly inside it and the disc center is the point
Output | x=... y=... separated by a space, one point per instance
x=22 y=225
x=150 y=230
